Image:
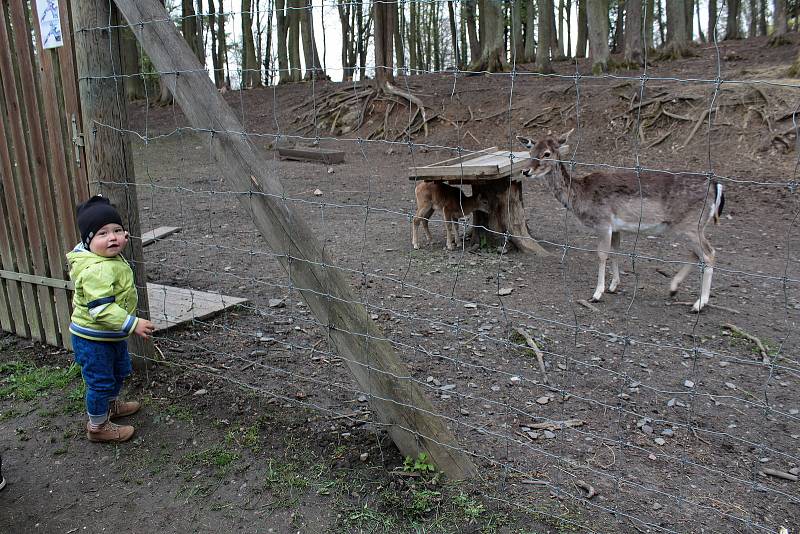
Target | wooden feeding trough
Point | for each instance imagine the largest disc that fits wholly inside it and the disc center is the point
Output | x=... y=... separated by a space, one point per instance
x=496 y=174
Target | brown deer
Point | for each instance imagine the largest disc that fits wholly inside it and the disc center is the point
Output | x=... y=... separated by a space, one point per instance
x=453 y=204
x=621 y=201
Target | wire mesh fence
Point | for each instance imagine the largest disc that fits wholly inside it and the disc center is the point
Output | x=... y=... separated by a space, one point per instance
x=640 y=415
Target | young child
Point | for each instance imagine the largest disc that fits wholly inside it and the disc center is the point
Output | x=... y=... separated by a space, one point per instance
x=103 y=316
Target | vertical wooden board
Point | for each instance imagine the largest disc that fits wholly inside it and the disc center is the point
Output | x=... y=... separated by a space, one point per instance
x=43 y=194
x=24 y=181
x=6 y=323
x=16 y=256
x=61 y=208
x=72 y=105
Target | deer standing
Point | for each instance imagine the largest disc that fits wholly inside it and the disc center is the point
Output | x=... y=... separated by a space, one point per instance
x=620 y=201
x=453 y=204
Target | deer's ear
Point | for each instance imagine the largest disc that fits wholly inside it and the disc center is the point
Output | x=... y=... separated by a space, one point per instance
x=563 y=151
x=563 y=139
x=525 y=141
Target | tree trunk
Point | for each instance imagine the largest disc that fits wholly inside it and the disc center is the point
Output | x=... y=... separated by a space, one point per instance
x=268 y=64
x=517 y=40
x=597 y=18
x=780 y=25
x=383 y=15
x=661 y=28
x=347 y=39
x=201 y=43
x=293 y=16
x=472 y=31
x=462 y=36
x=282 y=29
x=189 y=28
x=712 y=21
x=413 y=35
x=689 y=13
x=583 y=30
x=732 y=30
x=677 y=33
x=129 y=57
x=222 y=48
x=648 y=26
x=762 y=17
x=617 y=42
x=545 y=8
x=699 y=23
x=569 y=29
x=219 y=73
x=752 y=22
x=492 y=58
x=555 y=49
x=530 y=25
x=437 y=54
x=453 y=33
x=561 y=40
x=633 y=32
x=251 y=72
x=310 y=55
x=399 y=46
x=794 y=70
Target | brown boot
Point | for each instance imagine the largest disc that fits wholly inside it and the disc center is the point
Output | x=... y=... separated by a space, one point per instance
x=118 y=408
x=109 y=433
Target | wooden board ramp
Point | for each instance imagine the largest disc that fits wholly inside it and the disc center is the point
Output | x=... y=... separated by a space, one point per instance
x=148 y=238
x=173 y=306
x=325 y=155
x=488 y=164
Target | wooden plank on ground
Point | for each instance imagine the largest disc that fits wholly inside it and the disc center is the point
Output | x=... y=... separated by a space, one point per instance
x=173 y=306
x=398 y=403
x=325 y=155
x=159 y=233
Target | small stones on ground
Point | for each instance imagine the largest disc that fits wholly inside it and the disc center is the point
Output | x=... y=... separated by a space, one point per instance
x=549 y=435
x=794 y=471
x=364 y=456
x=794 y=411
x=647 y=429
x=688 y=383
x=495 y=388
x=362 y=398
x=660 y=441
x=730 y=385
x=317 y=192
x=652 y=456
x=464 y=411
x=330 y=170
x=668 y=432
x=515 y=380
x=448 y=387
x=470 y=305
x=543 y=400
x=657 y=506
x=276 y=303
x=200 y=392
x=503 y=291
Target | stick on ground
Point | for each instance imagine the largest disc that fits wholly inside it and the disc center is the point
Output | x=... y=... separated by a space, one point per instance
x=738 y=331
x=536 y=350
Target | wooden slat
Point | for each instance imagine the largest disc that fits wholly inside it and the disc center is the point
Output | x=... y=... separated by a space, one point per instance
x=161 y=232
x=59 y=158
x=72 y=105
x=325 y=155
x=473 y=171
x=48 y=259
x=18 y=254
x=173 y=306
x=465 y=157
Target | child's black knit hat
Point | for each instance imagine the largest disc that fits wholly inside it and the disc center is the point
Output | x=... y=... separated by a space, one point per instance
x=93 y=215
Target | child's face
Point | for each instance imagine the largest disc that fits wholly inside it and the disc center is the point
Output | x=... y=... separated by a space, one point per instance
x=109 y=240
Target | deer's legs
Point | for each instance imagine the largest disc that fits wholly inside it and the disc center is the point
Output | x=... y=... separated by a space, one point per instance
x=704 y=251
x=612 y=288
x=421 y=217
x=680 y=276
x=449 y=230
x=603 y=247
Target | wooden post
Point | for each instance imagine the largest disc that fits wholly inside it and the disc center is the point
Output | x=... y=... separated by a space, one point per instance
x=396 y=401
x=108 y=149
x=507 y=214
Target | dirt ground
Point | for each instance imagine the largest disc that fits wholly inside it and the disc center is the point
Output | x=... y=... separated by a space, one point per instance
x=674 y=419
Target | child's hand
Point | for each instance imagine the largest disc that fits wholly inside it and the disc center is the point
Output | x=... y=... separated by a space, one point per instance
x=144 y=328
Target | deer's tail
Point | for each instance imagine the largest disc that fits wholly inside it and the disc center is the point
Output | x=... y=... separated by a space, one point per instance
x=719 y=202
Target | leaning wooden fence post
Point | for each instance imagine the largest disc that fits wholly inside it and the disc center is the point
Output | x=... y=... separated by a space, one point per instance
x=108 y=148
x=396 y=400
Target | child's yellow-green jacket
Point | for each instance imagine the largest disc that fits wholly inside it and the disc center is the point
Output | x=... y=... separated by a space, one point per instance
x=104 y=303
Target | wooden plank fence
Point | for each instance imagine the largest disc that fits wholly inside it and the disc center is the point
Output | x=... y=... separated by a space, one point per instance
x=41 y=178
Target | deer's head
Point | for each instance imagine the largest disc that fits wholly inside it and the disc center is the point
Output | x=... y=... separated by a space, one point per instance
x=545 y=154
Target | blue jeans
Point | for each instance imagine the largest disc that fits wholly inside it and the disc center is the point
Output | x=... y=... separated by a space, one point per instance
x=104 y=366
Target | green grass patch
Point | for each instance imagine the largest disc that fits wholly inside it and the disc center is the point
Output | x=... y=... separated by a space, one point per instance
x=25 y=381
x=216 y=457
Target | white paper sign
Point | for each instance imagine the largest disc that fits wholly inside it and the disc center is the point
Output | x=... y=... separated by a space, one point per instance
x=49 y=23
